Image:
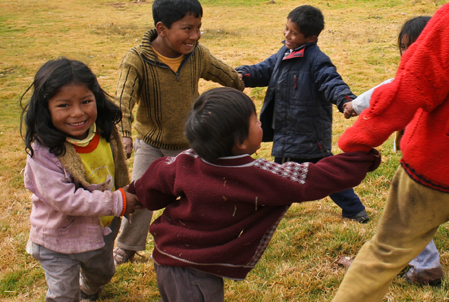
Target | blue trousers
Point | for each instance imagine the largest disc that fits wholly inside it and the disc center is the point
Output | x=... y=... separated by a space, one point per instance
x=347 y=200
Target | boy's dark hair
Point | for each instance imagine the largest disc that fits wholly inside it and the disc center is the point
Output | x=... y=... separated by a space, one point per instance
x=309 y=20
x=48 y=81
x=412 y=28
x=219 y=119
x=169 y=11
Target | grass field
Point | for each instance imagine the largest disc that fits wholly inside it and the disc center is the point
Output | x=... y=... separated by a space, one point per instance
x=300 y=263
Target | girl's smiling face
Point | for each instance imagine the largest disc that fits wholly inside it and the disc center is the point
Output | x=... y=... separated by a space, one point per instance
x=73 y=110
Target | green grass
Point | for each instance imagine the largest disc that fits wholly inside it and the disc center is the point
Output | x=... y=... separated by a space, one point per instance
x=300 y=262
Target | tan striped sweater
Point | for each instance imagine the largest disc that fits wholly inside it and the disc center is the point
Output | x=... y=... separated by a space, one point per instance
x=162 y=97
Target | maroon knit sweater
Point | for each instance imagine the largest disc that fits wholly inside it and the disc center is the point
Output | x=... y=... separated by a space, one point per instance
x=220 y=217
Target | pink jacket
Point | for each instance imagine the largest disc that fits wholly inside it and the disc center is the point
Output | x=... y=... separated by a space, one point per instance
x=65 y=216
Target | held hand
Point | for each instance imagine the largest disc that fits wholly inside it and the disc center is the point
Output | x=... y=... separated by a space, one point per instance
x=128 y=143
x=349 y=110
x=240 y=76
x=132 y=203
x=377 y=160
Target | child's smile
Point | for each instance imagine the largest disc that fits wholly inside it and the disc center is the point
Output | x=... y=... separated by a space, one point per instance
x=180 y=38
x=73 y=110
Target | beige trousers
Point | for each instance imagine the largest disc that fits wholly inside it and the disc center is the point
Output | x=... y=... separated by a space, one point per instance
x=410 y=220
x=133 y=236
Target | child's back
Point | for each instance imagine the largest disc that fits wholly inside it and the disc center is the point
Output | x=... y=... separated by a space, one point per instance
x=221 y=205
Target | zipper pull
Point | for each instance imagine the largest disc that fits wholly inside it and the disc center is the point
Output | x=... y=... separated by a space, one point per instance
x=295 y=81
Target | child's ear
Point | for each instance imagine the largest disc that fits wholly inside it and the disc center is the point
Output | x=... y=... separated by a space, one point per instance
x=239 y=148
x=160 y=28
x=312 y=39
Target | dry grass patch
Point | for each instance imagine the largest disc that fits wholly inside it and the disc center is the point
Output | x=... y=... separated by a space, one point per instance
x=300 y=262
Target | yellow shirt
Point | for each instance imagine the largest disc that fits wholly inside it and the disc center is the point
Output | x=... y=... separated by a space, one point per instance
x=99 y=166
x=173 y=63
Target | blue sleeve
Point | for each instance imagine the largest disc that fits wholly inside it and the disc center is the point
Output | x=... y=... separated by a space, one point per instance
x=258 y=75
x=330 y=83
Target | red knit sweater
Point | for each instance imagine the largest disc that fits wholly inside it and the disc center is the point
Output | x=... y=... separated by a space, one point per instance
x=419 y=99
x=220 y=217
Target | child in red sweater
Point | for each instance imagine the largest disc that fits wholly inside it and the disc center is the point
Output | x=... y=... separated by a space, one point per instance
x=221 y=205
x=426 y=267
x=418 y=201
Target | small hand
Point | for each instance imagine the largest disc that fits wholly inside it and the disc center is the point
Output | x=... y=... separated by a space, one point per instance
x=128 y=143
x=349 y=110
x=132 y=202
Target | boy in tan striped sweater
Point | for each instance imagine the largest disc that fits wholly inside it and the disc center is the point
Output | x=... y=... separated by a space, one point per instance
x=160 y=77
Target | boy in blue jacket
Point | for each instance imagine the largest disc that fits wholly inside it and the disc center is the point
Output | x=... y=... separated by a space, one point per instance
x=297 y=111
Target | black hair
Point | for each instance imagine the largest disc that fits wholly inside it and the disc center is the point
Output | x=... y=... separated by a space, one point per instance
x=48 y=81
x=169 y=11
x=412 y=28
x=219 y=119
x=309 y=19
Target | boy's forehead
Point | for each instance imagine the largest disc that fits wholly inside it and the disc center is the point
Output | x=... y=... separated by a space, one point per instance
x=189 y=19
x=292 y=24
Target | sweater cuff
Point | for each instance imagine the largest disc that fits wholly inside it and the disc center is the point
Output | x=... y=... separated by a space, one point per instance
x=124 y=201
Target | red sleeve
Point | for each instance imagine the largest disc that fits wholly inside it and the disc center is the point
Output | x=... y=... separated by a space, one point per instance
x=155 y=189
x=421 y=83
x=336 y=173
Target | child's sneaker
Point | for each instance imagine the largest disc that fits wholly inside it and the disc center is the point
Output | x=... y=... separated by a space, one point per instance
x=121 y=256
x=361 y=217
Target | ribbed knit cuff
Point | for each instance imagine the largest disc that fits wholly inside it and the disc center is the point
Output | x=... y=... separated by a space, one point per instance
x=124 y=201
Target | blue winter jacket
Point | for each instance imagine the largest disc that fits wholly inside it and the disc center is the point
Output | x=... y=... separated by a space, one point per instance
x=301 y=90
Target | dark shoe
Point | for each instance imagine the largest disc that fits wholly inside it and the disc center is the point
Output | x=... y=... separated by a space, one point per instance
x=361 y=217
x=87 y=297
x=431 y=276
x=122 y=256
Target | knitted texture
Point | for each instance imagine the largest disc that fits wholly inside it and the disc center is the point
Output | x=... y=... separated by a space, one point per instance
x=417 y=100
x=164 y=98
x=219 y=217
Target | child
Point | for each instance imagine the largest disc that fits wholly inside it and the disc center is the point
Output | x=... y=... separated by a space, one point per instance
x=161 y=77
x=410 y=31
x=76 y=169
x=426 y=267
x=222 y=206
x=418 y=201
x=297 y=111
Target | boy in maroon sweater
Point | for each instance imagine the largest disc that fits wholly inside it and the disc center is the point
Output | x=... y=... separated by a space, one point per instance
x=221 y=205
